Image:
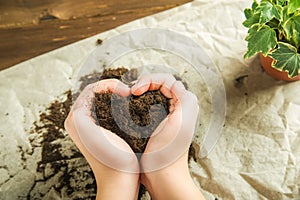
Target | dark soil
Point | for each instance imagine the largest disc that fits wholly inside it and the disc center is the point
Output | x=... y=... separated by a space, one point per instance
x=133 y=118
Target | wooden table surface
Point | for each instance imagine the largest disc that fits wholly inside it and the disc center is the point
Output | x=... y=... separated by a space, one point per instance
x=31 y=28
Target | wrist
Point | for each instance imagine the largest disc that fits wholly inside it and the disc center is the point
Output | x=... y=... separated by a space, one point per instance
x=108 y=176
x=166 y=185
x=109 y=180
x=165 y=176
x=177 y=172
x=172 y=182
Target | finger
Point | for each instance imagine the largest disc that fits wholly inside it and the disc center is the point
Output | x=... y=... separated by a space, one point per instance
x=171 y=105
x=141 y=86
x=157 y=81
x=112 y=85
x=177 y=90
x=185 y=105
x=105 y=146
x=84 y=100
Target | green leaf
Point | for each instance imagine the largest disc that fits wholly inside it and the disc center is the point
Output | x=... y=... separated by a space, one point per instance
x=285 y=15
x=251 y=18
x=280 y=2
x=274 y=23
x=254 y=5
x=292 y=30
x=268 y=11
x=293 y=5
x=260 y=39
x=248 y=13
x=287 y=59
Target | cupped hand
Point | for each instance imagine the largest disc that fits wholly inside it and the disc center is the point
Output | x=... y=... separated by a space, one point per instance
x=165 y=160
x=110 y=157
x=172 y=138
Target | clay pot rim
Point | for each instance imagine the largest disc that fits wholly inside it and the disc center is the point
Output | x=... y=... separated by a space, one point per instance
x=266 y=63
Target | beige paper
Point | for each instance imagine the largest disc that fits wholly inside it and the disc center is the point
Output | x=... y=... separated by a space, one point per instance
x=257 y=155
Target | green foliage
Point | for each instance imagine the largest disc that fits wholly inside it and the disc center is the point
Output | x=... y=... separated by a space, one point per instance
x=274 y=24
x=287 y=59
x=268 y=11
x=292 y=28
x=260 y=39
x=293 y=5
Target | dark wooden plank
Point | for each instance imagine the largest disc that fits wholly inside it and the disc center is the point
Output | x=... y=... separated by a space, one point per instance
x=35 y=27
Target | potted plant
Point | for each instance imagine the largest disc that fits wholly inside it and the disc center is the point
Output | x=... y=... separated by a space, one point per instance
x=274 y=33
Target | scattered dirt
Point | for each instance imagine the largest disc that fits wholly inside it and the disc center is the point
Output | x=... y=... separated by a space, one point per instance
x=240 y=81
x=62 y=167
x=99 y=42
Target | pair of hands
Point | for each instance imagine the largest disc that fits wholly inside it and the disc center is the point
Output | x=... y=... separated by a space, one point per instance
x=165 y=158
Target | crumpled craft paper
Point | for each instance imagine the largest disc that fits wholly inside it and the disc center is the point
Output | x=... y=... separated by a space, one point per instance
x=258 y=153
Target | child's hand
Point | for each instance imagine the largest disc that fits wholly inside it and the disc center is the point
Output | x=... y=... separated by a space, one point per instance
x=109 y=156
x=173 y=136
x=165 y=160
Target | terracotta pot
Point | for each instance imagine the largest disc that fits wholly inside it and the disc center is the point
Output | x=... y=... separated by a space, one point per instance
x=266 y=63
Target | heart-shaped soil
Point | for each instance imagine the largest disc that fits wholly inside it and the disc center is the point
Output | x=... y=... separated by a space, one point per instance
x=132 y=118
